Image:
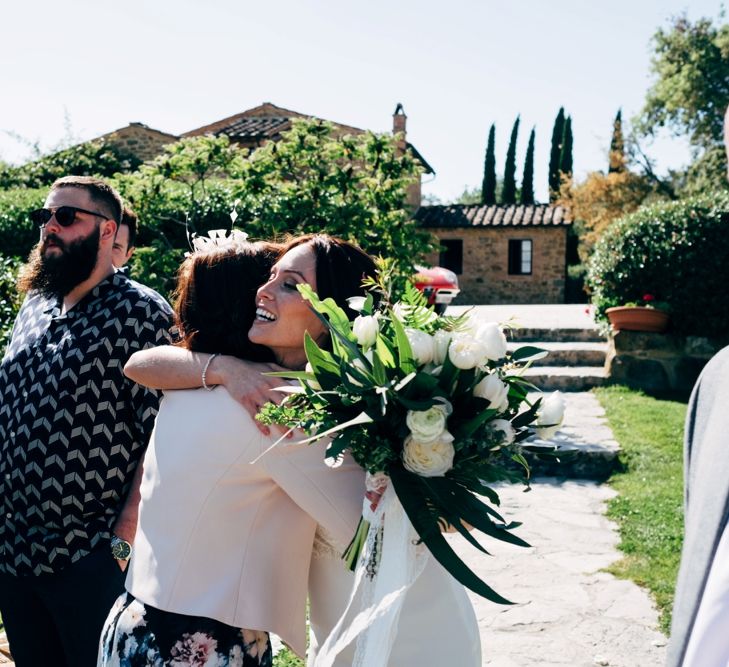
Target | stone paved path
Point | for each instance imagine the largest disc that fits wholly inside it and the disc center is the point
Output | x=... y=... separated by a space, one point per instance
x=568 y=613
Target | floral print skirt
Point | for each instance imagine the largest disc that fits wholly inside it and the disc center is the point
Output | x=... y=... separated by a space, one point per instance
x=137 y=635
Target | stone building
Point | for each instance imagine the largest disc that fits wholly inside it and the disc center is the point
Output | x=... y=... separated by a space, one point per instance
x=501 y=254
x=140 y=140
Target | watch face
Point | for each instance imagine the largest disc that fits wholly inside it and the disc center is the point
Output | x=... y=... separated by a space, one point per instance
x=121 y=549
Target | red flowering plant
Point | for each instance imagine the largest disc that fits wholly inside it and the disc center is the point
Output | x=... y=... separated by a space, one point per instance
x=649 y=301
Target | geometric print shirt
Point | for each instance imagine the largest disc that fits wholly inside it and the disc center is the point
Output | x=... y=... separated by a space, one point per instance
x=72 y=426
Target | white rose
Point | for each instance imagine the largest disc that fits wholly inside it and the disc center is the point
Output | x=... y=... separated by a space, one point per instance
x=493 y=340
x=505 y=428
x=465 y=351
x=551 y=414
x=441 y=341
x=356 y=303
x=365 y=328
x=432 y=459
x=493 y=390
x=421 y=344
x=426 y=425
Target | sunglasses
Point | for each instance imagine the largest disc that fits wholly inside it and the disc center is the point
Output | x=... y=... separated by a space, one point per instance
x=65 y=215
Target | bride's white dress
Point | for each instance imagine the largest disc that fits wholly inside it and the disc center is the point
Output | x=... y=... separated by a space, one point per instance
x=437 y=623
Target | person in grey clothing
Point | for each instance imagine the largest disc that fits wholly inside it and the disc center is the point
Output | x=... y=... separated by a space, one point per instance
x=699 y=636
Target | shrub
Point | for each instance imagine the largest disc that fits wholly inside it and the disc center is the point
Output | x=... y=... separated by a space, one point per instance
x=93 y=158
x=10 y=298
x=17 y=233
x=679 y=253
x=156 y=267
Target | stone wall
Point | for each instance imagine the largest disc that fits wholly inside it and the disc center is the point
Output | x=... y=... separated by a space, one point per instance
x=485 y=278
x=658 y=362
x=140 y=140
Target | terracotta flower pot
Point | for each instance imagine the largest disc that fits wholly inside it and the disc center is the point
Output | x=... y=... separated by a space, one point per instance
x=638 y=318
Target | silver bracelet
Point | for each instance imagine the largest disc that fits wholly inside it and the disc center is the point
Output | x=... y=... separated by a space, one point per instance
x=205 y=372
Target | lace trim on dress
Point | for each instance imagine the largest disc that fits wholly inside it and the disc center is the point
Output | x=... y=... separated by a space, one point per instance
x=325 y=546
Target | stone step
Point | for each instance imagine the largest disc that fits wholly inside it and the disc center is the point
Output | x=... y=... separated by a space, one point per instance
x=566 y=378
x=568 y=354
x=556 y=335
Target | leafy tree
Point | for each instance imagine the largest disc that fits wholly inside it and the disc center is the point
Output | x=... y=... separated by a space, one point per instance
x=93 y=158
x=352 y=186
x=690 y=94
x=508 y=192
x=555 y=154
x=469 y=196
x=599 y=200
x=565 y=157
x=617 y=161
x=488 y=190
x=527 y=181
x=10 y=298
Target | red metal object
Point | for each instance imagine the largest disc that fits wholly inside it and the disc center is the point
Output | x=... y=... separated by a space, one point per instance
x=438 y=284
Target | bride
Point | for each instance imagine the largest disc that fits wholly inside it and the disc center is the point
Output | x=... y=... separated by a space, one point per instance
x=437 y=624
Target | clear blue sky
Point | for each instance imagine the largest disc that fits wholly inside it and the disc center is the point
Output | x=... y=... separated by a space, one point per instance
x=456 y=66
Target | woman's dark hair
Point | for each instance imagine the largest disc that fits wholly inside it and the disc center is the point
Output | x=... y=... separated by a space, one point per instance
x=341 y=267
x=215 y=299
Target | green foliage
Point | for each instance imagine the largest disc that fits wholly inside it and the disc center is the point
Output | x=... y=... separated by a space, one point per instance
x=565 y=156
x=648 y=509
x=527 y=181
x=10 y=298
x=690 y=94
x=617 y=160
x=676 y=251
x=287 y=658
x=488 y=188
x=352 y=186
x=310 y=181
x=554 y=155
x=17 y=233
x=93 y=158
x=508 y=192
x=191 y=185
x=156 y=266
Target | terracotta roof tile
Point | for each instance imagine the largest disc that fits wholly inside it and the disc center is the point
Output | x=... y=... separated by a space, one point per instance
x=463 y=215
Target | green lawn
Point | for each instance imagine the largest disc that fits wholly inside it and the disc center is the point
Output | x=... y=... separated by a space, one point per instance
x=649 y=507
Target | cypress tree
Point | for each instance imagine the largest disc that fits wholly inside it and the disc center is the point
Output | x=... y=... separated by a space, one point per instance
x=488 y=189
x=508 y=193
x=527 y=181
x=565 y=158
x=555 y=153
x=617 y=146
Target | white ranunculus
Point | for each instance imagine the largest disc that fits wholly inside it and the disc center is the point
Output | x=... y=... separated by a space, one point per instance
x=356 y=303
x=465 y=351
x=426 y=425
x=421 y=344
x=432 y=459
x=550 y=414
x=365 y=328
x=441 y=341
x=504 y=427
x=493 y=340
x=493 y=390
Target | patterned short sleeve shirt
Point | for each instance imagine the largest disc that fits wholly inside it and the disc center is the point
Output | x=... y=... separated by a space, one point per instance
x=72 y=426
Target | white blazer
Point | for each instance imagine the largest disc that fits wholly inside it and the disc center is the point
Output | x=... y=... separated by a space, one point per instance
x=223 y=537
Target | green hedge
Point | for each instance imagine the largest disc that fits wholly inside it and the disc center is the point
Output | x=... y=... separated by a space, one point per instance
x=679 y=253
x=17 y=234
x=10 y=300
x=157 y=267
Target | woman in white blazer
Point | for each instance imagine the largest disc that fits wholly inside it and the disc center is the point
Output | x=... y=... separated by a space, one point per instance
x=226 y=523
x=436 y=605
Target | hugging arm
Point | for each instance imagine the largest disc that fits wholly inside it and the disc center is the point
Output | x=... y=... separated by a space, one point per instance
x=171 y=367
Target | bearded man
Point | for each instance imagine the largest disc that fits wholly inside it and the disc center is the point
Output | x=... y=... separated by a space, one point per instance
x=72 y=429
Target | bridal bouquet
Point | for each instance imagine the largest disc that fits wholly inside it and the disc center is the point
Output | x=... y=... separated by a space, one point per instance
x=434 y=408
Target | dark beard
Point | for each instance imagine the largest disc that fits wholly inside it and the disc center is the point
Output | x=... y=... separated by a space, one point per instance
x=57 y=274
